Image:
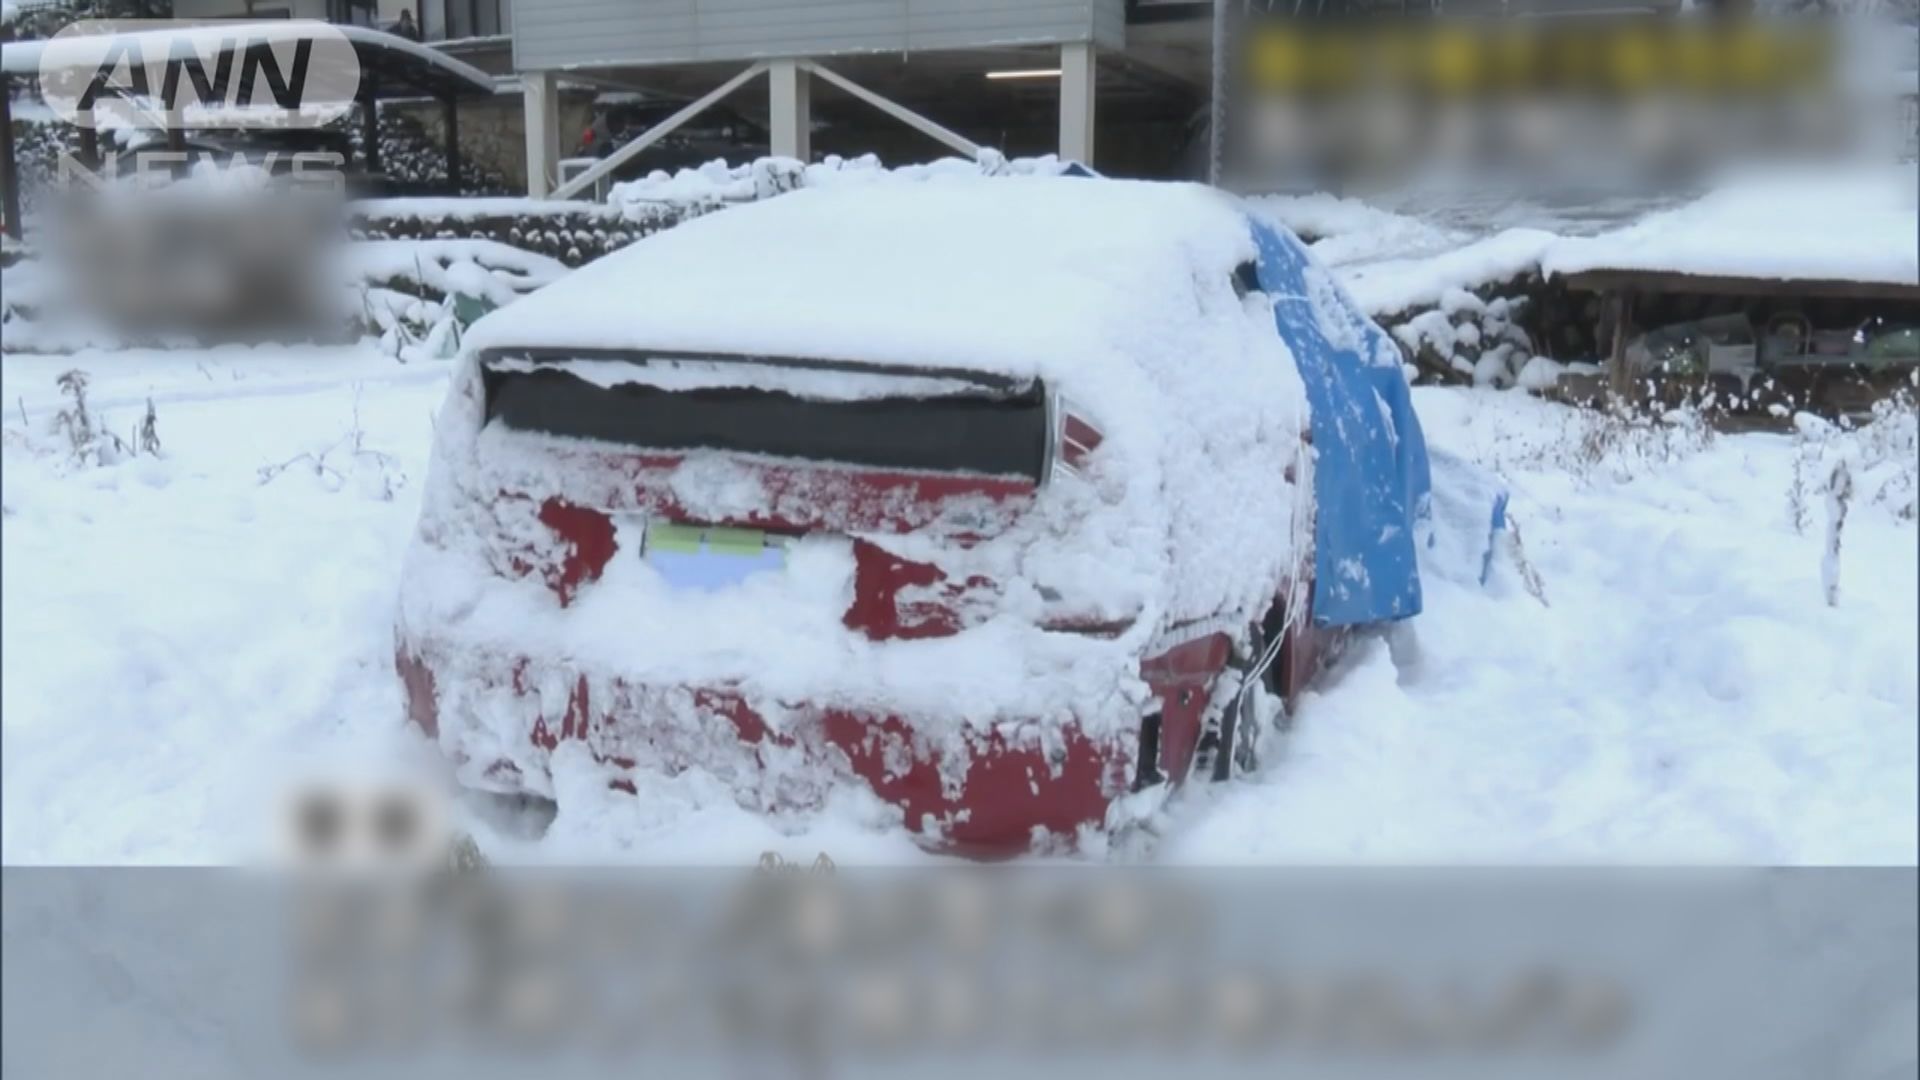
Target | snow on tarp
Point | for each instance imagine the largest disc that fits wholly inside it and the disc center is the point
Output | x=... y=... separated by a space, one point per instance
x=1371 y=477
x=1469 y=517
x=1852 y=225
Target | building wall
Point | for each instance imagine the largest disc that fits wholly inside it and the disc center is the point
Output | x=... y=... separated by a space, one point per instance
x=431 y=13
x=237 y=9
x=1110 y=24
x=555 y=34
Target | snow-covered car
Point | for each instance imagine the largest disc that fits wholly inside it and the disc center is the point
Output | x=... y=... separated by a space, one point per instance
x=1017 y=500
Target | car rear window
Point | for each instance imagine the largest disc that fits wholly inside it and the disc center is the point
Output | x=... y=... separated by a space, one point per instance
x=802 y=410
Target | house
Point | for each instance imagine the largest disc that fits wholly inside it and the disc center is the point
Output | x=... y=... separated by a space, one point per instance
x=1121 y=82
x=1031 y=76
x=475 y=31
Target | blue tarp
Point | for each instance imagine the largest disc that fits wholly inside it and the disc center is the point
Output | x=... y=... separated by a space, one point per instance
x=1469 y=519
x=1372 y=481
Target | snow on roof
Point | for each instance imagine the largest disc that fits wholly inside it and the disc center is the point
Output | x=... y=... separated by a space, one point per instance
x=23 y=57
x=1854 y=226
x=1015 y=275
x=1391 y=262
x=1393 y=286
x=1348 y=230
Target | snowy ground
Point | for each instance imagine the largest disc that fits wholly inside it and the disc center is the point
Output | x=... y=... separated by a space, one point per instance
x=1683 y=694
x=178 y=636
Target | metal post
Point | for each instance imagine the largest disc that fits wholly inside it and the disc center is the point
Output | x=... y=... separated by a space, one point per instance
x=1217 y=96
x=9 y=168
x=540 y=100
x=450 y=112
x=370 y=127
x=790 y=97
x=1619 y=378
x=1077 y=78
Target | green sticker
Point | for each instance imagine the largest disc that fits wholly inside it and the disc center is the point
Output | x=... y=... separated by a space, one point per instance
x=682 y=538
x=747 y=542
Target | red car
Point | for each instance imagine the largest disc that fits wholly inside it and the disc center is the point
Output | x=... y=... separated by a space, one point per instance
x=989 y=494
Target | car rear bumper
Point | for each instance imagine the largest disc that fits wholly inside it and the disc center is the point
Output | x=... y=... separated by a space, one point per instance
x=980 y=791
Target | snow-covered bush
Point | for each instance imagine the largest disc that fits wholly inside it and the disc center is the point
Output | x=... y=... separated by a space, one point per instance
x=718 y=184
x=1844 y=466
x=78 y=436
x=412 y=157
x=36 y=21
x=1880 y=459
x=1839 y=500
x=416 y=296
x=1621 y=441
x=572 y=232
x=88 y=441
x=38 y=144
x=344 y=462
x=1623 y=437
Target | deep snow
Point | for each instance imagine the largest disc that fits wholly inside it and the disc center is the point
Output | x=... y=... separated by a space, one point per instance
x=179 y=637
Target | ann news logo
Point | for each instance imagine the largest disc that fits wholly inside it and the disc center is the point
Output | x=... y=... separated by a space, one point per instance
x=172 y=75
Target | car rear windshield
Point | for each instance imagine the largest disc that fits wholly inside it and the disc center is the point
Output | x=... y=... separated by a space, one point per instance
x=805 y=410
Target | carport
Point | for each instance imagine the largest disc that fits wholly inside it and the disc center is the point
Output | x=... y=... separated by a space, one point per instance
x=955 y=74
x=1634 y=300
x=956 y=99
x=391 y=68
x=1809 y=252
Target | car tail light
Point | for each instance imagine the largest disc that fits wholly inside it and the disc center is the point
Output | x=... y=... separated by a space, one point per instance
x=1075 y=437
x=896 y=599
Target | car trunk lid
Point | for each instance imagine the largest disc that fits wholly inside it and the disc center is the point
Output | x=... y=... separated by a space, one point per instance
x=724 y=460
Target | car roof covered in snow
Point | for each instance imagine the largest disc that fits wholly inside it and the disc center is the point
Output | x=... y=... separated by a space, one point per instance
x=1020 y=276
x=1848 y=225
